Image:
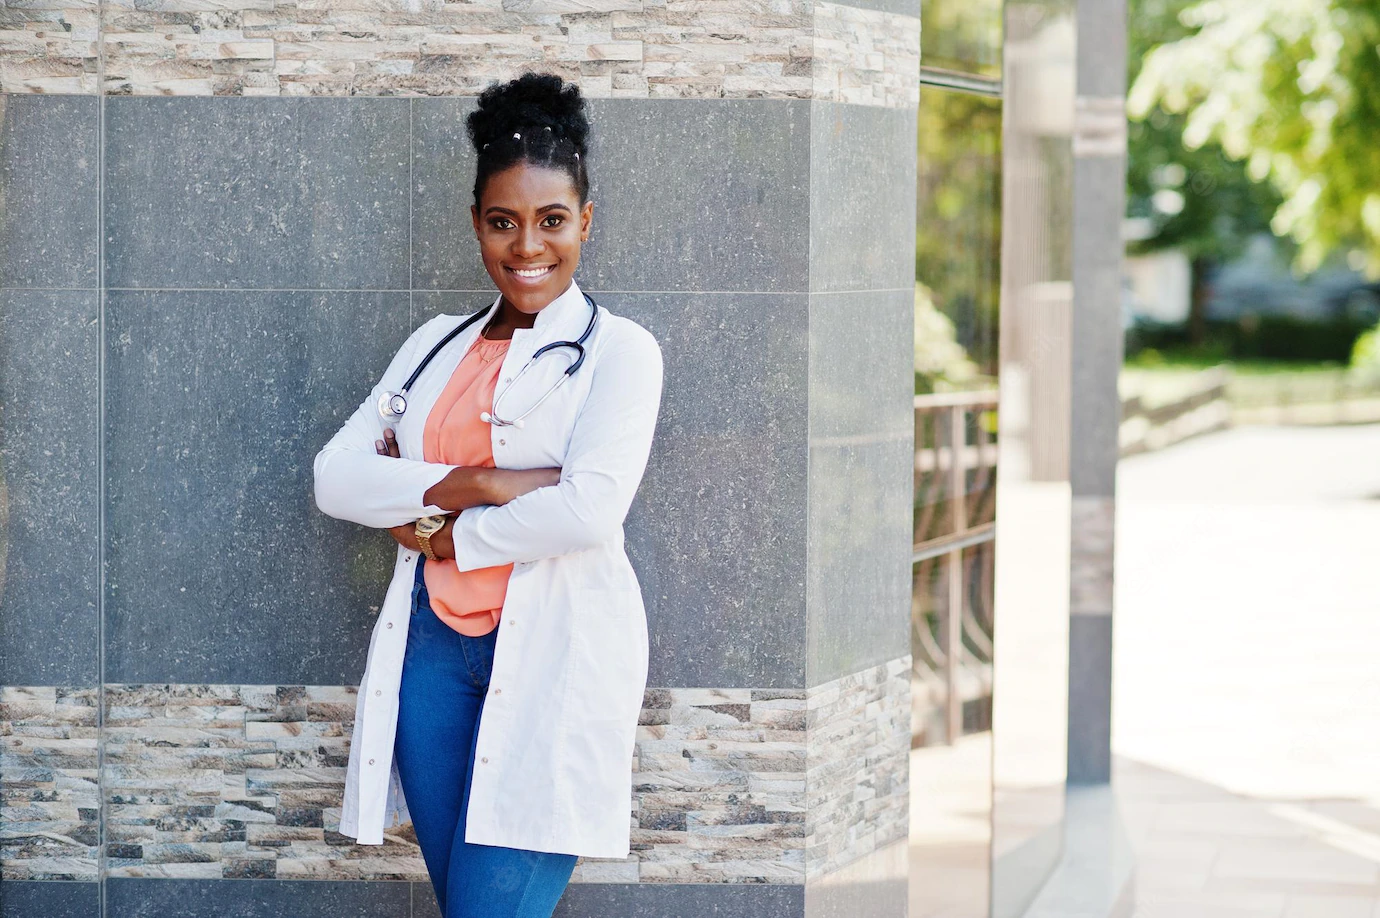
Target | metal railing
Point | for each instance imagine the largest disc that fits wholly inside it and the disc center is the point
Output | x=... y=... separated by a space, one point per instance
x=954 y=526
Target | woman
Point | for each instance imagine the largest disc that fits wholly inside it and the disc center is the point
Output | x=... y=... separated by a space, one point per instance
x=505 y=673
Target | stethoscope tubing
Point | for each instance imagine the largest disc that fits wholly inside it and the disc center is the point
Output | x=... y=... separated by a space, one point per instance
x=392 y=405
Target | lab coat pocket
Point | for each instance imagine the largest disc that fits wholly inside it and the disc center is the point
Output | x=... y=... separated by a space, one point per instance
x=608 y=675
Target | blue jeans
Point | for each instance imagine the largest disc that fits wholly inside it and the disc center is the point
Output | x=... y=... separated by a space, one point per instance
x=445 y=678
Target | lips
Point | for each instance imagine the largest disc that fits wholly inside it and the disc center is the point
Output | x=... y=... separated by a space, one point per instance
x=530 y=273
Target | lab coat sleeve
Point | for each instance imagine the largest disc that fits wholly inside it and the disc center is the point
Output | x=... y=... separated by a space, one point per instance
x=354 y=482
x=603 y=467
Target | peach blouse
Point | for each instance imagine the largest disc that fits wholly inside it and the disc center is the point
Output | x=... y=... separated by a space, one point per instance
x=468 y=601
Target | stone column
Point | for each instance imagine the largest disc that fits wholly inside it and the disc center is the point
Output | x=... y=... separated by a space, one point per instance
x=200 y=284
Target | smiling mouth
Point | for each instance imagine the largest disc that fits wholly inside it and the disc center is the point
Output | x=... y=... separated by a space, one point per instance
x=531 y=273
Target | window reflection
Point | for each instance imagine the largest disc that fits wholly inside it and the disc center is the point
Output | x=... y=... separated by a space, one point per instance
x=963 y=36
x=957 y=261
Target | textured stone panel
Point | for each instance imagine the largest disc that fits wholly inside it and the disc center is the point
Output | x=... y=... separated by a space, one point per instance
x=859 y=773
x=866 y=57
x=48 y=791
x=704 y=49
x=49 y=47
x=1092 y=555
x=225 y=781
x=236 y=781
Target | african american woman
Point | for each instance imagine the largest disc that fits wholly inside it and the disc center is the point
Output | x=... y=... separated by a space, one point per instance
x=501 y=450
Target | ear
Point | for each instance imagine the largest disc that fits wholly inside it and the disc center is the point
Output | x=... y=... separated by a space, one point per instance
x=586 y=215
x=474 y=218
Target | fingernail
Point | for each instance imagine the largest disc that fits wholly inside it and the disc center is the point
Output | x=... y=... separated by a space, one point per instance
x=378 y=444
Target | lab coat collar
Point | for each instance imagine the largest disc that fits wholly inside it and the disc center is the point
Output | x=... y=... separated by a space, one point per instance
x=558 y=312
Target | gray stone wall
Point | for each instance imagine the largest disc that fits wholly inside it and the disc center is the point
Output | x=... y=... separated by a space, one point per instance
x=194 y=292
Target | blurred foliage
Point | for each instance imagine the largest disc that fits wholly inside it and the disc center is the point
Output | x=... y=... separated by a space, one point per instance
x=1253 y=337
x=963 y=36
x=941 y=363
x=1199 y=200
x=958 y=216
x=1365 y=357
x=1292 y=89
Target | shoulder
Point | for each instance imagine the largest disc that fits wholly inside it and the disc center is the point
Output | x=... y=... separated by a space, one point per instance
x=623 y=336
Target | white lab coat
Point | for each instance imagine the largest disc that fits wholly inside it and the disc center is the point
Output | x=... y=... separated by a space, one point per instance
x=553 y=764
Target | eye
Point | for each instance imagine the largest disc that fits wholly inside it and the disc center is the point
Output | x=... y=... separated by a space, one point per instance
x=557 y=217
x=497 y=223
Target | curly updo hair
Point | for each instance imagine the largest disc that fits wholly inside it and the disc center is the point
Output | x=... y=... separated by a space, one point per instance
x=550 y=121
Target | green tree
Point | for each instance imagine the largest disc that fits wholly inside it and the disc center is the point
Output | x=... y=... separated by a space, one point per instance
x=1290 y=88
x=1197 y=200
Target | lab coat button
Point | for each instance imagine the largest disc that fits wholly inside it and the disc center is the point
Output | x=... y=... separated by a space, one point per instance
x=485 y=759
x=502 y=442
x=498 y=691
x=378 y=691
x=390 y=624
x=371 y=761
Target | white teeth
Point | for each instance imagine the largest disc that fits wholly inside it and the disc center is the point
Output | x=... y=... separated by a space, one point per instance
x=531 y=272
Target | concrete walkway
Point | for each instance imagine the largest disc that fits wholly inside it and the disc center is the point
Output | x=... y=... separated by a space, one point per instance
x=1247 y=673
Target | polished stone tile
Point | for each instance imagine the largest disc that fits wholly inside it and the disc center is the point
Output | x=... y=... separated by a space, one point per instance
x=711 y=228
x=48 y=182
x=679 y=900
x=219 y=566
x=49 y=487
x=862 y=197
x=256 y=193
x=1090 y=701
x=861 y=458
x=874 y=885
x=1096 y=330
x=50 y=899
x=717 y=531
x=167 y=898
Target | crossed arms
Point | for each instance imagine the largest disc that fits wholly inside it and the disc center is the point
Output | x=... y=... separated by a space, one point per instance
x=506 y=516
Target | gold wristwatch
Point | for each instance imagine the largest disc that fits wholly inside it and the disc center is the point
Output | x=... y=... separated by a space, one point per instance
x=427 y=527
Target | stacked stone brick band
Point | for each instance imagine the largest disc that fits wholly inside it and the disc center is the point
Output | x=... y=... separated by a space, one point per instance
x=613 y=48
x=244 y=781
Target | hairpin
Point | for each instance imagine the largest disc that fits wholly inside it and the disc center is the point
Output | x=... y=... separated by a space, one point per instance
x=485 y=147
x=516 y=135
x=547 y=128
x=577 y=154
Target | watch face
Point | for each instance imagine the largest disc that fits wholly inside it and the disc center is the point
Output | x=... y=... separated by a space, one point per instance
x=430 y=524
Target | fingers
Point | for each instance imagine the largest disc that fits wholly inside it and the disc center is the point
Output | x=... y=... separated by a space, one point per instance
x=388 y=446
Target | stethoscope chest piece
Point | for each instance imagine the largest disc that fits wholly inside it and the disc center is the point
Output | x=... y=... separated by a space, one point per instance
x=392 y=405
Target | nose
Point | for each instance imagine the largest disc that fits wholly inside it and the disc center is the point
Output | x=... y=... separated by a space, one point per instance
x=528 y=243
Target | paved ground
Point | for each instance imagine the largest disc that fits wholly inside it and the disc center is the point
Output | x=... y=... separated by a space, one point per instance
x=1247 y=673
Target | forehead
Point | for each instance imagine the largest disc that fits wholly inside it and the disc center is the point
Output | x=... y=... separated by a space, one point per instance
x=525 y=186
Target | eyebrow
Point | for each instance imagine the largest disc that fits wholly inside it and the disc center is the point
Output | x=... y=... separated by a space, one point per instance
x=543 y=209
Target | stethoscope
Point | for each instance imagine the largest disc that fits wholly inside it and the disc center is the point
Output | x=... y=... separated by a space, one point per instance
x=392 y=405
